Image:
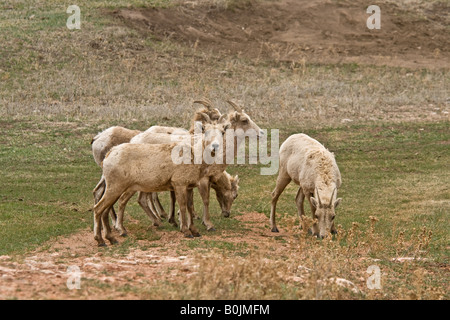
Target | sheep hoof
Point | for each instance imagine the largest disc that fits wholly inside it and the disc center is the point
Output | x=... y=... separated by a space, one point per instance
x=275 y=229
x=187 y=234
x=113 y=241
x=197 y=234
x=212 y=229
x=102 y=244
x=124 y=234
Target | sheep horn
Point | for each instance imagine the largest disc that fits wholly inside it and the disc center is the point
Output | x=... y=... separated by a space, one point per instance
x=332 y=195
x=318 y=197
x=205 y=117
x=205 y=102
x=235 y=106
x=222 y=118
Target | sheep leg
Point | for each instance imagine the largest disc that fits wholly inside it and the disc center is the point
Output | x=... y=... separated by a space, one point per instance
x=107 y=227
x=299 y=199
x=181 y=196
x=204 y=188
x=190 y=207
x=108 y=199
x=172 y=220
x=151 y=204
x=194 y=213
x=123 y=200
x=98 y=192
x=157 y=204
x=152 y=207
x=143 y=200
x=282 y=181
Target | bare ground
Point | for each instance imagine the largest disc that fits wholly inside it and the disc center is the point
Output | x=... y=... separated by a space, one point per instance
x=43 y=274
x=304 y=30
x=291 y=31
x=268 y=266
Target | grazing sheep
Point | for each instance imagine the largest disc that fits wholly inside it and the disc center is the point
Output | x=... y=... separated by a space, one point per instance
x=105 y=140
x=310 y=165
x=238 y=120
x=101 y=144
x=129 y=168
x=113 y=136
x=226 y=188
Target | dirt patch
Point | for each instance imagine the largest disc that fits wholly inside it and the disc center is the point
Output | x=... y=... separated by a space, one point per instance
x=43 y=274
x=305 y=31
x=212 y=267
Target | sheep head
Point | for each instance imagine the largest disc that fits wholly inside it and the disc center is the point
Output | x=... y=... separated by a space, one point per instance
x=226 y=195
x=213 y=113
x=240 y=120
x=324 y=213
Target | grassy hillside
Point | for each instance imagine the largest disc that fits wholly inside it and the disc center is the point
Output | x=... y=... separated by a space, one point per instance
x=387 y=125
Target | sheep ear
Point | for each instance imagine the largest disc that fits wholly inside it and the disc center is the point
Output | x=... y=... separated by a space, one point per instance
x=235 y=116
x=336 y=203
x=227 y=126
x=313 y=202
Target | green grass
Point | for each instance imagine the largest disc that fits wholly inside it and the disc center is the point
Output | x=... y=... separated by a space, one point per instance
x=102 y=72
x=60 y=87
x=396 y=173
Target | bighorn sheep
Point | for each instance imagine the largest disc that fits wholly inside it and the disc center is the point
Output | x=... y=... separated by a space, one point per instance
x=104 y=141
x=310 y=165
x=238 y=119
x=128 y=168
x=101 y=144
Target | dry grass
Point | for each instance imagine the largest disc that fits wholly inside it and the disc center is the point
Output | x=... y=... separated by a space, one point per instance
x=108 y=71
x=59 y=88
x=297 y=266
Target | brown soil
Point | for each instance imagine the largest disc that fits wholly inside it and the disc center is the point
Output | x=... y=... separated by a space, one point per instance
x=305 y=31
x=43 y=274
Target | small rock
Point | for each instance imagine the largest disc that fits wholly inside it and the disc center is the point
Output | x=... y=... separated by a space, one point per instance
x=94 y=265
x=47 y=271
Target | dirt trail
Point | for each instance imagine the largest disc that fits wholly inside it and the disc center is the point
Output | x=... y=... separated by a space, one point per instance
x=43 y=274
x=306 y=31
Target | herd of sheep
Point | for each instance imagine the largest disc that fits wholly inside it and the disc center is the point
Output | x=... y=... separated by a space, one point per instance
x=134 y=161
